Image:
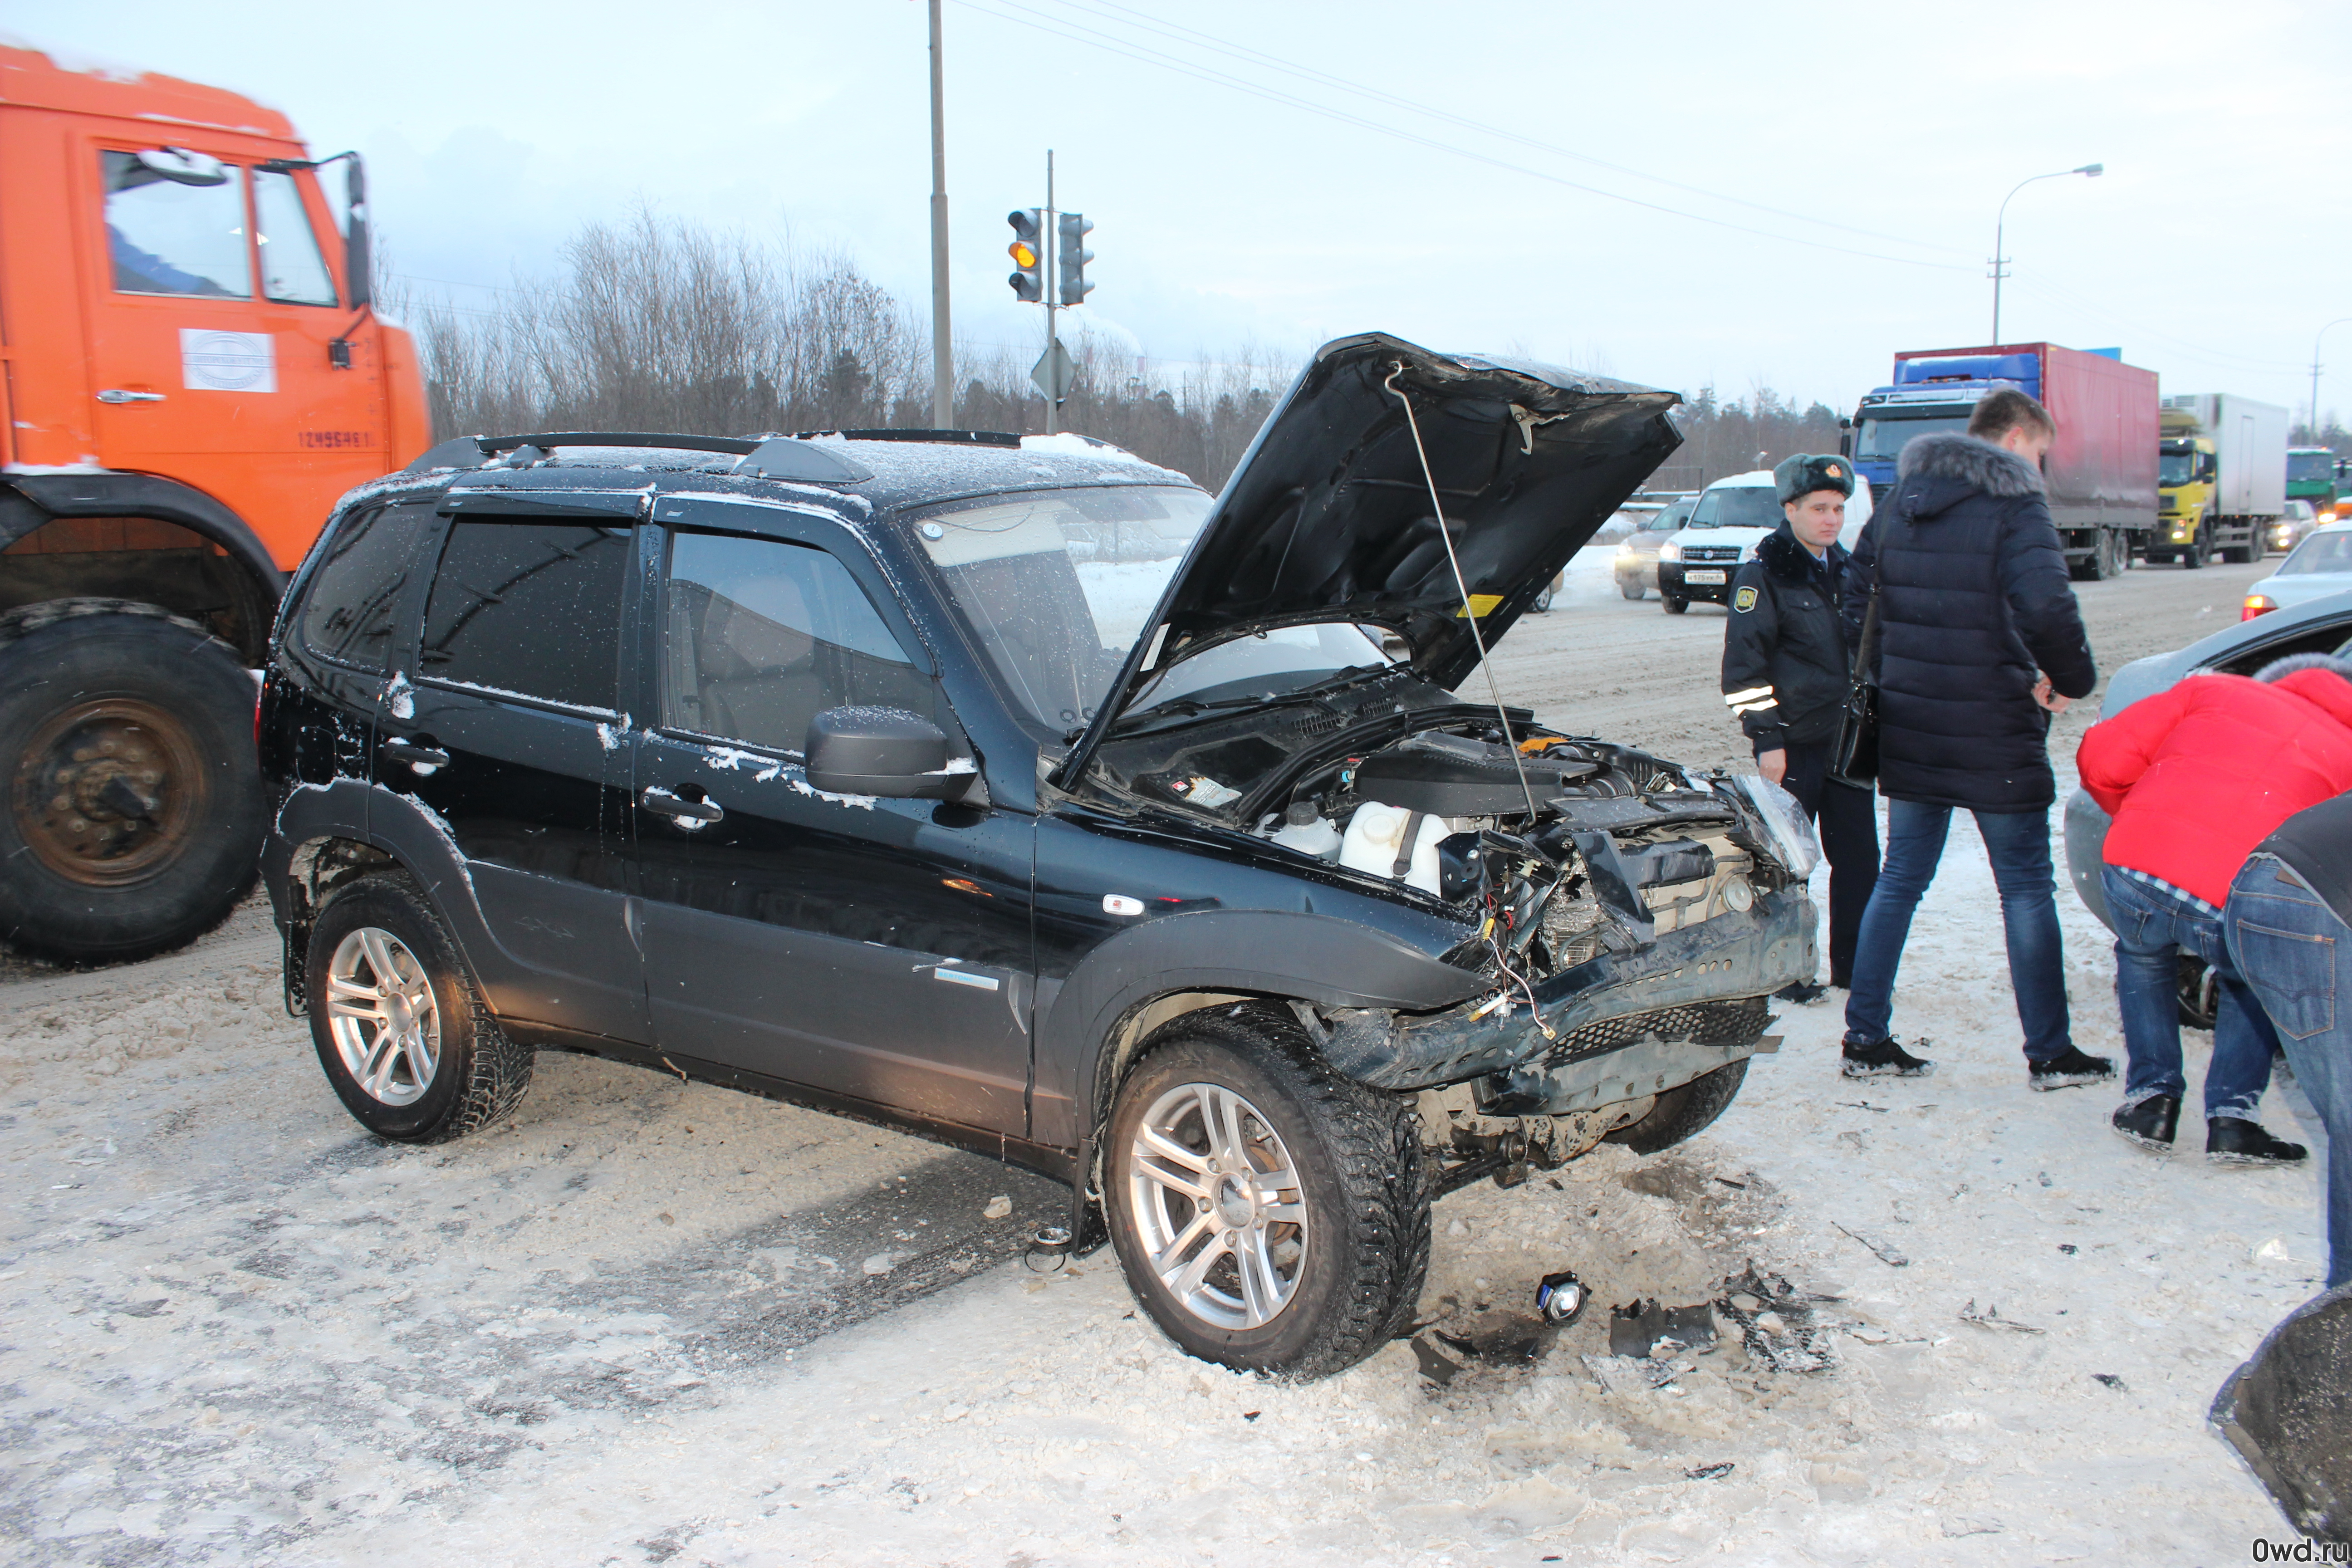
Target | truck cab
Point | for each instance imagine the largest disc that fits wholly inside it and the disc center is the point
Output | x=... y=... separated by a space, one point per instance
x=194 y=376
x=2186 y=468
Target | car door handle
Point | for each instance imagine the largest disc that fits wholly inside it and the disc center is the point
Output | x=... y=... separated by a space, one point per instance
x=117 y=394
x=678 y=808
x=422 y=755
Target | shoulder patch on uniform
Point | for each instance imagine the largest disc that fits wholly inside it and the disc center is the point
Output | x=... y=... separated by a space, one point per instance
x=1745 y=599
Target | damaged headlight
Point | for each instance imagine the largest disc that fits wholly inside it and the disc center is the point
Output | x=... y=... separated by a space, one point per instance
x=1793 y=844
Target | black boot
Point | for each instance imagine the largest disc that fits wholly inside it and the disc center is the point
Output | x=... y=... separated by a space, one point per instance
x=1803 y=993
x=2235 y=1141
x=2150 y=1122
x=1884 y=1058
x=2068 y=1068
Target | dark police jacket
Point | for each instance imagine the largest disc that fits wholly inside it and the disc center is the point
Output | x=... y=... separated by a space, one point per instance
x=1973 y=598
x=1784 y=658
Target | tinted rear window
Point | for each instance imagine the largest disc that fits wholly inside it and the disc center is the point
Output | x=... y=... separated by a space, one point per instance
x=531 y=609
x=347 y=610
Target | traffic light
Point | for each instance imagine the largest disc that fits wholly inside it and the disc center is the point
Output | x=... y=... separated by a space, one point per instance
x=1028 y=253
x=1070 y=258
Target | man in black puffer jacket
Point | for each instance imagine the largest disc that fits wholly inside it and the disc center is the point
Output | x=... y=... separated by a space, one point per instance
x=1785 y=675
x=1980 y=641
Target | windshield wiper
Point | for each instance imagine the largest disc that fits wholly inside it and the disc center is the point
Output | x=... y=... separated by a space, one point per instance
x=1313 y=691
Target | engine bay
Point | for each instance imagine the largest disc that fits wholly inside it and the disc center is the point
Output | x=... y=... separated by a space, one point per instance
x=1559 y=847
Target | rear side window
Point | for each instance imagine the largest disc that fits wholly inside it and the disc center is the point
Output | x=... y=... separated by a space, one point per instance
x=760 y=636
x=347 y=610
x=176 y=225
x=529 y=608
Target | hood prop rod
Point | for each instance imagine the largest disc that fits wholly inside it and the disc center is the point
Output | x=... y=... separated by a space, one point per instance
x=1469 y=611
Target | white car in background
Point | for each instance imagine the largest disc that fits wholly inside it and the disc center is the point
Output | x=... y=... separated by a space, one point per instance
x=2320 y=565
x=1732 y=516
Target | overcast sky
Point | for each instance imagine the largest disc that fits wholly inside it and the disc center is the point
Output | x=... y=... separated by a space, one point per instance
x=1284 y=212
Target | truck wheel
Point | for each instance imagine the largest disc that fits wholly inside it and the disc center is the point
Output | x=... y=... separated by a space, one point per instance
x=403 y=1034
x=1270 y=1215
x=2194 y=553
x=1675 y=604
x=1684 y=1111
x=135 y=809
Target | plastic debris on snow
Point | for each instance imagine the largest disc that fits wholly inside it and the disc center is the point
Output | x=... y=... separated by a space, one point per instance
x=1638 y=1374
x=1647 y=1329
x=1885 y=1254
x=1991 y=1317
x=1778 y=1322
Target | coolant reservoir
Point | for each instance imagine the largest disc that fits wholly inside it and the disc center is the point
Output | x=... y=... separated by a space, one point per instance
x=1318 y=836
x=1376 y=834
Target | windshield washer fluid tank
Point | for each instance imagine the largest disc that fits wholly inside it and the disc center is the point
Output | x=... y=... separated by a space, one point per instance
x=1375 y=838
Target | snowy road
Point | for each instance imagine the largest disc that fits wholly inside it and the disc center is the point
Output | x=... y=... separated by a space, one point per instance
x=637 y=1324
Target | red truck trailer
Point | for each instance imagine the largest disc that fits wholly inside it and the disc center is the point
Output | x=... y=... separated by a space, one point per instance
x=2101 y=470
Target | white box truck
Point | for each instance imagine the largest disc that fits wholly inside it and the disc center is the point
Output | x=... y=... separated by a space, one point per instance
x=2221 y=478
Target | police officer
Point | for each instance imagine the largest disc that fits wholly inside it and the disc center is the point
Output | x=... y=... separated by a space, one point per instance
x=1785 y=674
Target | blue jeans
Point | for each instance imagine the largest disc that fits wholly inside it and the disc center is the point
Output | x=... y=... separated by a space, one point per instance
x=2019 y=845
x=2297 y=956
x=2154 y=926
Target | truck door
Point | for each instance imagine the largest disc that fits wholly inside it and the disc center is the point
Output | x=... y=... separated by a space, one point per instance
x=209 y=310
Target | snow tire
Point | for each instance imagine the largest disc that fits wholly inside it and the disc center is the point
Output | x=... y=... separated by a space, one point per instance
x=1364 y=1183
x=1686 y=1110
x=479 y=1075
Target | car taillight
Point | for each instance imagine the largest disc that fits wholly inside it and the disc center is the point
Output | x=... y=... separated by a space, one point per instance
x=2257 y=605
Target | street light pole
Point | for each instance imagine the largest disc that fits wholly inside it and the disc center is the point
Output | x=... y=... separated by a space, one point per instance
x=2315 y=376
x=942 y=343
x=2001 y=262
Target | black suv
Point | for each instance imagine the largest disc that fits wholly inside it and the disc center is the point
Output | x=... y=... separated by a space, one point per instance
x=1025 y=795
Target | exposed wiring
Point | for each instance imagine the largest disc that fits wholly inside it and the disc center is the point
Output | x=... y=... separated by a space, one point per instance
x=1469 y=610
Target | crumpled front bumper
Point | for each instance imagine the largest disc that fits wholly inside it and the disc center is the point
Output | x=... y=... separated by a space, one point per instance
x=1735 y=956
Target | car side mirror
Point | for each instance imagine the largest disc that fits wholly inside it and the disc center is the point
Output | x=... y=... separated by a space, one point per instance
x=887 y=753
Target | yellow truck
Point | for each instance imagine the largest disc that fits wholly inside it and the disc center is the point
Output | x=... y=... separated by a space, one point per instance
x=2221 y=478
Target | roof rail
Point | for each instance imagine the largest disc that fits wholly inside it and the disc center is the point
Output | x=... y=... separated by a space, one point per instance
x=962 y=438
x=473 y=451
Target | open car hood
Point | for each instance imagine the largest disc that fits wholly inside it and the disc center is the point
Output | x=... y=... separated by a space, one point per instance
x=1328 y=517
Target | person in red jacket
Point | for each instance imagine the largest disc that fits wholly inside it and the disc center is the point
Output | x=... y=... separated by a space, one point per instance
x=2195 y=778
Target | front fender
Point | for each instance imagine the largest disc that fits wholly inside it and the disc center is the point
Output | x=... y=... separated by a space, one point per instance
x=1314 y=958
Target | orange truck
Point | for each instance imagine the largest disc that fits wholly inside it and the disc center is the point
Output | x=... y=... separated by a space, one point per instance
x=191 y=373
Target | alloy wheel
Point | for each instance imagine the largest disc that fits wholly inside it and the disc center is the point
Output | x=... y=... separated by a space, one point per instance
x=1219 y=1207
x=381 y=1010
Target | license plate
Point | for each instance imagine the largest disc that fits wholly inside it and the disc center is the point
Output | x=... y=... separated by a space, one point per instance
x=1703 y=577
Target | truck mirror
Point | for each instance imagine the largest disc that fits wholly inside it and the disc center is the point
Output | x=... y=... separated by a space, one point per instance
x=182 y=167
x=358 y=262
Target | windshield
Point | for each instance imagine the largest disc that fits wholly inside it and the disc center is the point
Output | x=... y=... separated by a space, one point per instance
x=2322 y=553
x=1054 y=585
x=2176 y=467
x=1671 y=520
x=2310 y=467
x=1883 y=440
x=1737 y=506
x=1265 y=666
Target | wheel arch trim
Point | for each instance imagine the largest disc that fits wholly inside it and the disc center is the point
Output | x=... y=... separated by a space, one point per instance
x=1297 y=956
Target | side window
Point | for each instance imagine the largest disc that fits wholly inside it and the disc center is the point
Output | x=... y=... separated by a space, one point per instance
x=176 y=225
x=531 y=609
x=760 y=636
x=347 y=610
x=292 y=270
